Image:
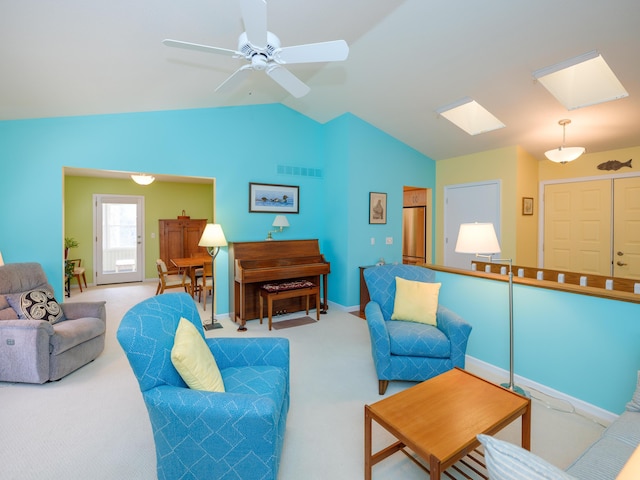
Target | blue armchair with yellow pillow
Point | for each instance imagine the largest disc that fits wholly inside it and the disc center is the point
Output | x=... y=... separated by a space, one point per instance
x=218 y=406
x=413 y=338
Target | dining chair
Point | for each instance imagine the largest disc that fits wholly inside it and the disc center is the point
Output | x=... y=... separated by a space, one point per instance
x=205 y=284
x=78 y=272
x=170 y=280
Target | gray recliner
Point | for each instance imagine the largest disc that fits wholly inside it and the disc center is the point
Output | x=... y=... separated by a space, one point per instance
x=36 y=351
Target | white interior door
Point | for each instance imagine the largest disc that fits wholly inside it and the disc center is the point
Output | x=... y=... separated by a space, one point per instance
x=119 y=246
x=468 y=203
x=626 y=228
x=577 y=226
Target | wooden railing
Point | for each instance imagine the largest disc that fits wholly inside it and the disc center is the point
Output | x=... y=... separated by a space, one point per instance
x=592 y=285
x=573 y=278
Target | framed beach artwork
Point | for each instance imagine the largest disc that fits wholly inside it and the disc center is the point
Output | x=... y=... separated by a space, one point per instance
x=377 y=207
x=268 y=198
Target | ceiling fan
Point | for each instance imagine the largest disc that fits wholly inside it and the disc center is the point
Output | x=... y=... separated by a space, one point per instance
x=262 y=50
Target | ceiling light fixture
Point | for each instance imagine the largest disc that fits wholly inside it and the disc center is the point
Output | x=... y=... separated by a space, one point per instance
x=143 y=179
x=581 y=81
x=470 y=116
x=564 y=154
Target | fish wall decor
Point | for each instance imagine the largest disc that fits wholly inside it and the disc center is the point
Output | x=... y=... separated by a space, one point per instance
x=614 y=165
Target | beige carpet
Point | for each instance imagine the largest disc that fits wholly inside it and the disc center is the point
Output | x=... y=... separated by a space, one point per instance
x=93 y=424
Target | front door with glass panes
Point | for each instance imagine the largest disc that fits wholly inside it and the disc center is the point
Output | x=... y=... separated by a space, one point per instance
x=119 y=246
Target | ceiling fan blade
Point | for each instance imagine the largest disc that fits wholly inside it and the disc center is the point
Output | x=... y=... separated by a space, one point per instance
x=254 y=16
x=287 y=80
x=334 y=51
x=200 y=48
x=235 y=79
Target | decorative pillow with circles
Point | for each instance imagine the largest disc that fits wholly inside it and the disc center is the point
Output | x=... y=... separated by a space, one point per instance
x=36 y=305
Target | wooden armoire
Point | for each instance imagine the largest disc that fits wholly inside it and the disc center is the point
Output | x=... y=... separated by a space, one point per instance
x=179 y=238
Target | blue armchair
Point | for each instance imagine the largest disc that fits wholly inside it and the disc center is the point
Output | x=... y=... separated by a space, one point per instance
x=237 y=434
x=408 y=350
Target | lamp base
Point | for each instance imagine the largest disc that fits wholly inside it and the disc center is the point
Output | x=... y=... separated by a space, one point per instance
x=212 y=326
x=515 y=388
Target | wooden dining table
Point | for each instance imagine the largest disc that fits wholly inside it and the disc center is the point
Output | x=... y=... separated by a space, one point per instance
x=191 y=264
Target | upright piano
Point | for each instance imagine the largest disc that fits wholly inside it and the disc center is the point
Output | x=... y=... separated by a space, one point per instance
x=252 y=264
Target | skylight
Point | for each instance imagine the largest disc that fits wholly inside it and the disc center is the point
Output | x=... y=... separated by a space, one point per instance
x=470 y=116
x=581 y=81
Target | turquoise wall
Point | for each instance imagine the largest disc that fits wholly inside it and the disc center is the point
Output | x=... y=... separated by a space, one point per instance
x=583 y=346
x=586 y=347
x=234 y=145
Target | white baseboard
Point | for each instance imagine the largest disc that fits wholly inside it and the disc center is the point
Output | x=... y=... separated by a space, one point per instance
x=475 y=365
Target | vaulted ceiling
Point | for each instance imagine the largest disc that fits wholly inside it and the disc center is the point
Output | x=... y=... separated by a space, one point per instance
x=407 y=59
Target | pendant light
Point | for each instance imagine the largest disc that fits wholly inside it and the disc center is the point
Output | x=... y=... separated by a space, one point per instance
x=564 y=154
x=143 y=179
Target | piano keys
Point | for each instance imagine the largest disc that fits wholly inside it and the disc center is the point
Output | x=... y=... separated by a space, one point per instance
x=252 y=264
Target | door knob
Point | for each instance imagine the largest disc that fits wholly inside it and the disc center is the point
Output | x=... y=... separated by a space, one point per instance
x=620 y=264
x=620 y=254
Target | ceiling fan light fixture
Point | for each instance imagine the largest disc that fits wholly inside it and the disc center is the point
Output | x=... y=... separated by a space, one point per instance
x=143 y=178
x=564 y=154
x=470 y=116
x=581 y=81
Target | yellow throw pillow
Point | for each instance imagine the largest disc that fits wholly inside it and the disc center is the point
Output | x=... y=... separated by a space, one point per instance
x=416 y=301
x=193 y=359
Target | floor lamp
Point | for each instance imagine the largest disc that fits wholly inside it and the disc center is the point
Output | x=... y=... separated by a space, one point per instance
x=212 y=238
x=480 y=239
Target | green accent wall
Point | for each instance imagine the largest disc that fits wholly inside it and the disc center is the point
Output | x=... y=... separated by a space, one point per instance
x=162 y=200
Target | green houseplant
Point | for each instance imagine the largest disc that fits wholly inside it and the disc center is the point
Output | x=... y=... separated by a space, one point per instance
x=69 y=242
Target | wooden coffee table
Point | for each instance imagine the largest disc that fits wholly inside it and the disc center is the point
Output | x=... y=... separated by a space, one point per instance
x=439 y=419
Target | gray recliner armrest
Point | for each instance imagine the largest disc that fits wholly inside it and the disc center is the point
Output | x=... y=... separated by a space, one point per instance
x=74 y=310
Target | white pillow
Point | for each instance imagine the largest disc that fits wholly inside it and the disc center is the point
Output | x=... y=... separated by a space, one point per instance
x=634 y=404
x=193 y=360
x=506 y=461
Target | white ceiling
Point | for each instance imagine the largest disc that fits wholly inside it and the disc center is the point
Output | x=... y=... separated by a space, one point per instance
x=407 y=58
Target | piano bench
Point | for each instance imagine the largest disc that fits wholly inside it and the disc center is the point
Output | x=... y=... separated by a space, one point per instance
x=291 y=289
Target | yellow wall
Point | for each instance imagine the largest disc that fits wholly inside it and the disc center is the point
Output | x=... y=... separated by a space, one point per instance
x=526 y=225
x=500 y=164
x=520 y=175
x=587 y=165
x=162 y=200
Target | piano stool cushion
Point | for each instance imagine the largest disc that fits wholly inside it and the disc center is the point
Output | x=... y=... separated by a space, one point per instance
x=284 y=286
x=194 y=361
x=415 y=301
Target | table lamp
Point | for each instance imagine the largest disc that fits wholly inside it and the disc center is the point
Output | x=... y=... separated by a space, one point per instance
x=280 y=221
x=212 y=238
x=480 y=239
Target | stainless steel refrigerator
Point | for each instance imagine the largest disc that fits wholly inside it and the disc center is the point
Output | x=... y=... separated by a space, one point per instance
x=414 y=247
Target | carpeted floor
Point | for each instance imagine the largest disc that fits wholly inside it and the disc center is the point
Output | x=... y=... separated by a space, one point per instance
x=93 y=424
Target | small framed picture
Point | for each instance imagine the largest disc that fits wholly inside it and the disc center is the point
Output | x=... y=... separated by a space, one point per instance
x=377 y=207
x=527 y=205
x=268 y=198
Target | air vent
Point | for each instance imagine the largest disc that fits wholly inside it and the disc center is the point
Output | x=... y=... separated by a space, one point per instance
x=297 y=171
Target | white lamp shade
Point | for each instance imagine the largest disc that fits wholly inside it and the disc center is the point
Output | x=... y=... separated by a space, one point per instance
x=1 y=260
x=477 y=238
x=564 y=154
x=213 y=236
x=143 y=179
x=280 y=221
